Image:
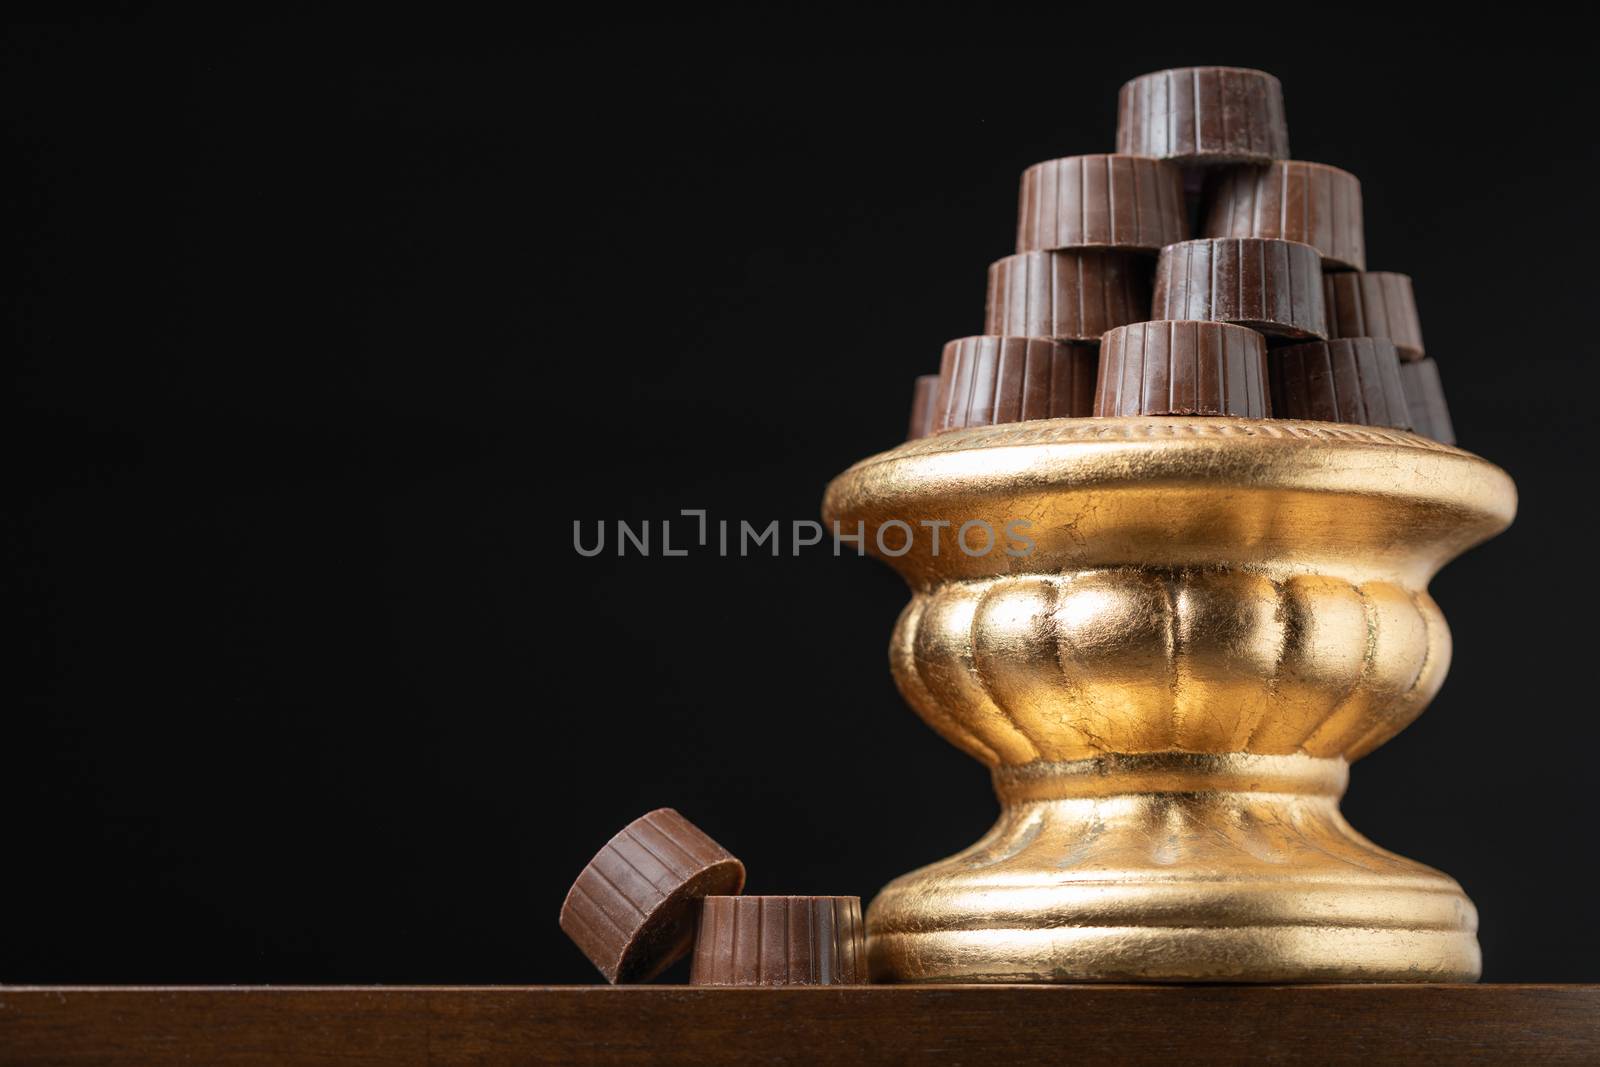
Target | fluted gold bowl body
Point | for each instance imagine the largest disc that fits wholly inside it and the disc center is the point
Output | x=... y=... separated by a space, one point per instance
x=1212 y=619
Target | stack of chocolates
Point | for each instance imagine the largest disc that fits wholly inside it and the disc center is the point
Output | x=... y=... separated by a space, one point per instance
x=1109 y=307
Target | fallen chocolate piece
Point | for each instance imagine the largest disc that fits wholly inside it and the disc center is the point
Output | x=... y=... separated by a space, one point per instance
x=771 y=941
x=1071 y=296
x=1121 y=202
x=632 y=909
x=1312 y=203
x=923 y=394
x=987 y=380
x=1374 y=304
x=1182 y=368
x=1352 y=379
x=1203 y=115
x=1425 y=400
x=1268 y=285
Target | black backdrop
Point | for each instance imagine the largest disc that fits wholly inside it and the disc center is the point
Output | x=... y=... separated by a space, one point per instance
x=323 y=335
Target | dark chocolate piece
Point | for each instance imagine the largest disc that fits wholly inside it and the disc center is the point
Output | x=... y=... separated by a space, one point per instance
x=1271 y=286
x=1203 y=115
x=1071 y=296
x=1352 y=379
x=1374 y=304
x=772 y=941
x=632 y=910
x=1425 y=400
x=923 y=395
x=1120 y=202
x=988 y=380
x=1312 y=203
x=1182 y=368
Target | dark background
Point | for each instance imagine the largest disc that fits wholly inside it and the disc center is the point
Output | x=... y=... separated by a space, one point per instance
x=323 y=335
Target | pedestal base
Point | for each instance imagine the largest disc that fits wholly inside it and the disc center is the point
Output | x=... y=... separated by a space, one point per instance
x=1174 y=867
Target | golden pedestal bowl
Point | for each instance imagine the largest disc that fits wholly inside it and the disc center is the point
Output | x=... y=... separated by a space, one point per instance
x=1183 y=632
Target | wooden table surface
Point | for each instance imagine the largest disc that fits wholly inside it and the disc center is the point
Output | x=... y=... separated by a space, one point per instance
x=1009 y=1025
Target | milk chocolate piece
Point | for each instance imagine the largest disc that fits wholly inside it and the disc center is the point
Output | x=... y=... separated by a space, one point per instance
x=1203 y=115
x=923 y=395
x=1271 y=286
x=988 y=380
x=1308 y=202
x=1071 y=296
x=1352 y=379
x=1374 y=304
x=1182 y=368
x=632 y=910
x=1120 y=202
x=771 y=941
x=1425 y=400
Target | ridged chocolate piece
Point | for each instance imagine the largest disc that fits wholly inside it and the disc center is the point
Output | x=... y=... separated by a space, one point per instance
x=1071 y=296
x=1182 y=368
x=1425 y=400
x=1202 y=115
x=988 y=380
x=632 y=910
x=770 y=941
x=923 y=394
x=1312 y=203
x=1352 y=379
x=1121 y=202
x=1271 y=286
x=1374 y=304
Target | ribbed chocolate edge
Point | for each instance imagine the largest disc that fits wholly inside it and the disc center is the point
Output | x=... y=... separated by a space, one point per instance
x=923 y=395
x=630 y=910
x=1182 y=368
x=1070 y=296
x=1352 y=380
x=774 y=941
x=1203 y=115
x=988 y=380
x=1269 y=285
x=1100 y=201
x=1425 y=400
x=1374 y=304
x=1293 y=200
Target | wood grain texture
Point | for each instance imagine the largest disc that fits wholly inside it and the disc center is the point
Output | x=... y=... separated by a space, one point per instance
x=1014 y=1025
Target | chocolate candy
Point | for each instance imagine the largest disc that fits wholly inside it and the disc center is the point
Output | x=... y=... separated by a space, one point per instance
x=1121 y=202
x=770 y=941
x=1352 y=379
x=1071 y=296
x=988 y=380
x=1203 y=115
x=632 y=910
x=923 y=394
x=1182 y=368
x=1271 y=286
x=1308 y=202
x=1425 y=400
x=1374 y=304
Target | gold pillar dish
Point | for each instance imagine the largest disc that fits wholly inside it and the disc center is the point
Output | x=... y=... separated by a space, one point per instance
x=1214 y=618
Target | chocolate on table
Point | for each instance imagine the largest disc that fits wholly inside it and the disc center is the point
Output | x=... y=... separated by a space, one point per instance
x=987 y=380
x=1203 y=115
x=1102 y=201
x=1351 y=379
x=1374 y=304
x=923 y=395
x=633 y=909
x=1268 y=285
x=1182 y=368
x=1425 y=400
x=1293 y=200
x=1071 y=296
x=773 y=941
